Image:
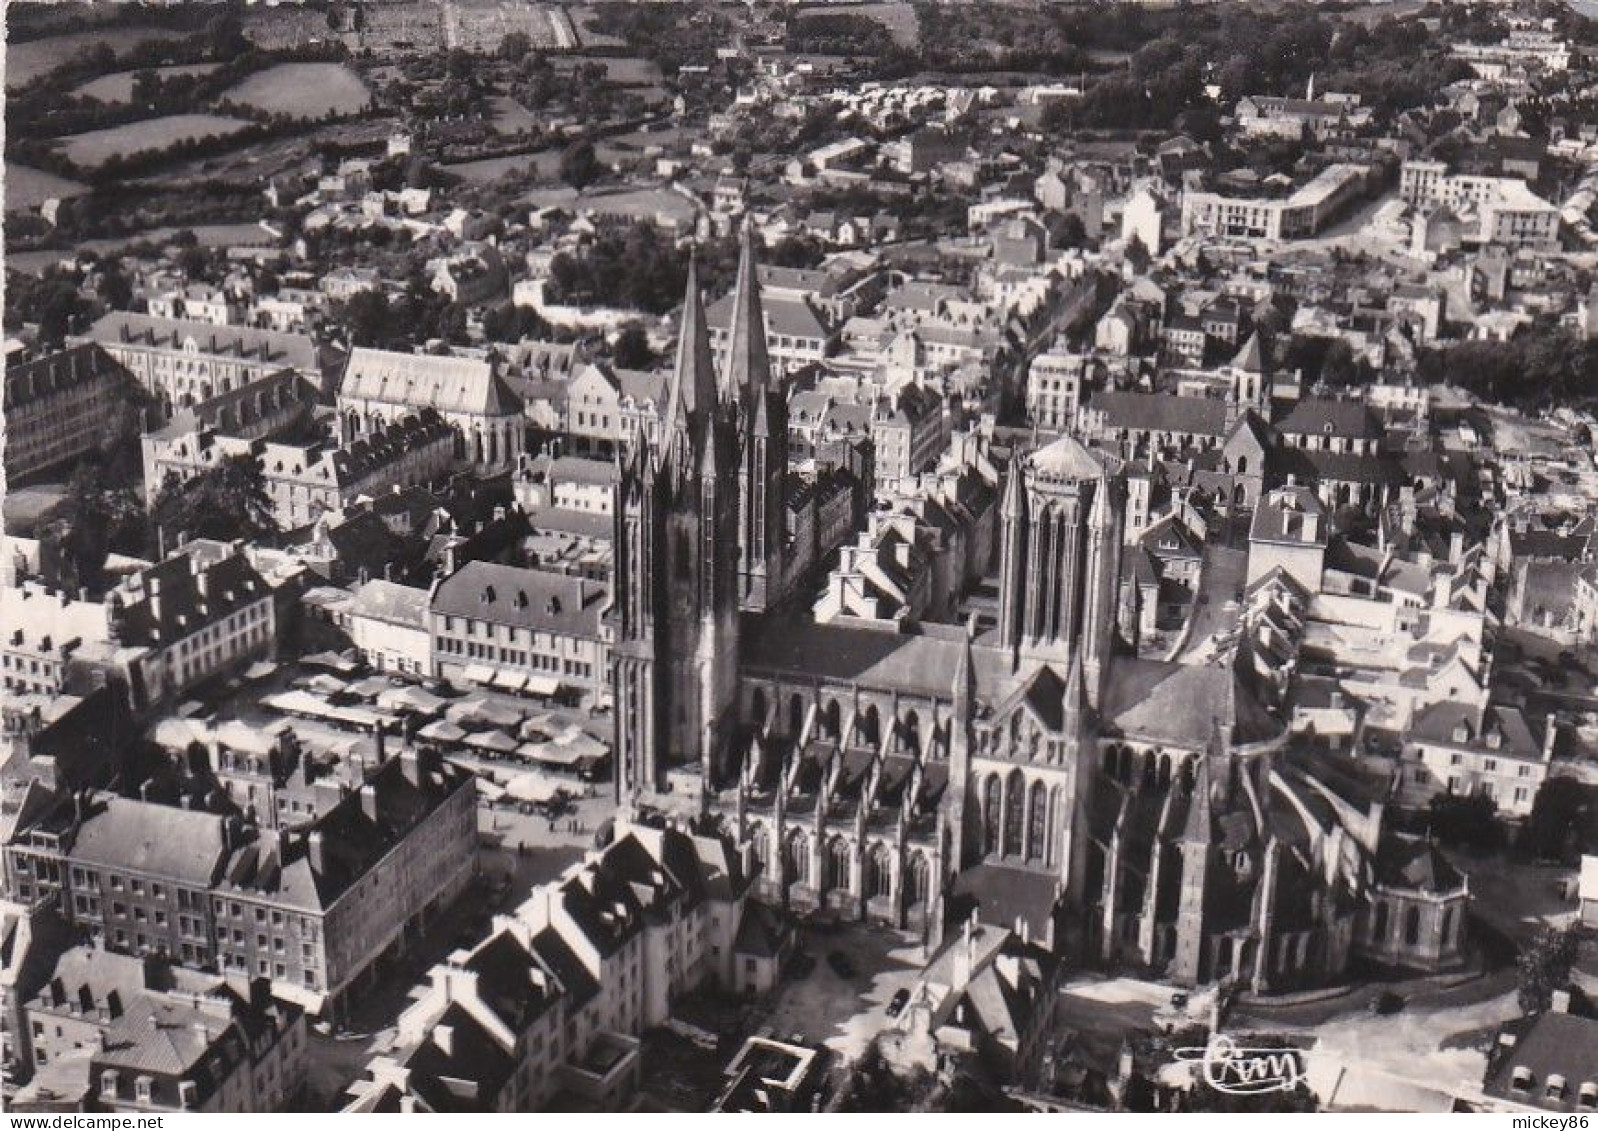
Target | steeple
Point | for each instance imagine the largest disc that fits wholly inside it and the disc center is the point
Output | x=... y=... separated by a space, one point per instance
x=693 y=378
x=748 y=364
x=1251 y=358
x=1012 y=505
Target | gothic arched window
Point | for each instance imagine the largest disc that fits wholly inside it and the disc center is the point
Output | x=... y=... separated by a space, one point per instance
x=838 y=865
x=920 y=879
x=990 y=815
x=1013 y=802
x=1037 y=821
x=798 y=858
x=879 y=872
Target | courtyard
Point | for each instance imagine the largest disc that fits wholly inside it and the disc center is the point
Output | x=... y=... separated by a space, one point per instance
x=843 y=1014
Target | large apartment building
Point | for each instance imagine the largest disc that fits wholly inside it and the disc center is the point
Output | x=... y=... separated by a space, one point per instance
x=522 y=629
x=550 y=1006
x=1504 y=210
x=310 y=908
x=305 y=480
x=59 y=407
x=182 y=363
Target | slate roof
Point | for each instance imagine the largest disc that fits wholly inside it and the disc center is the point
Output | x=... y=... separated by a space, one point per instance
x=523 y=598
x=1180 y=705
x=1161 y=412
x=448 y=384
x=185 y=846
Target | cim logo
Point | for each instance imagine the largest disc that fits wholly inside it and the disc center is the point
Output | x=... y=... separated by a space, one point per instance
x=1245 y=1072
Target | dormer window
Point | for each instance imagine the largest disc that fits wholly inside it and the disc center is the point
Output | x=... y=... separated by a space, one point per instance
x=108 y=1084
x=141 y=1088
x=1588 y=1097
x=521 y=598
x=1462 y=732
x=1521 y=1079
x=488 y=595
x=1556 y=1087
x=1495 y=738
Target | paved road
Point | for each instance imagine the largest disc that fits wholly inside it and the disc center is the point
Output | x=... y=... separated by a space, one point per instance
x=1220 y=583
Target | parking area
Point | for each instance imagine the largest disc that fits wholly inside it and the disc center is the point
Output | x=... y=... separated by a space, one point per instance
x=844 y=1011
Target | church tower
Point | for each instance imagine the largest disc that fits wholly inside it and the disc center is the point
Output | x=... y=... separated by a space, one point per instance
x=748 y=383
x=1060 y=561
x=676 y=600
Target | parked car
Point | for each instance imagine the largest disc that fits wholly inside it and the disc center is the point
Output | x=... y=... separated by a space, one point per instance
x=898 y=1002
x=841 y=964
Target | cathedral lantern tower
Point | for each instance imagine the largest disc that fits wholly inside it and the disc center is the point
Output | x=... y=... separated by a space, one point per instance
x=1060 y=565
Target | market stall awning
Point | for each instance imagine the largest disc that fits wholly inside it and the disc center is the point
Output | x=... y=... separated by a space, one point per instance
x=416 y=699
x=441 y=731
x=509 y=680
x=546 y=685
x=478 y=673
x=495 y=740
x=332 y=661
x=260 y=669
x=531 y=787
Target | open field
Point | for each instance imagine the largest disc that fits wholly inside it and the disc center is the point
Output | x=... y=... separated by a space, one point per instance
x=580 y=14
x=26 y=189
x=542 y=165
x=304 y=90
x=899 y=19
x=97 y=146
x=621 y=71
x=209 y=235
x=28 y=62
x=117 y=87
x=511 y=116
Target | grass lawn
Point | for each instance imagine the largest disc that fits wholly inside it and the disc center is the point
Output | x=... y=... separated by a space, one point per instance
x=899 y=19
x=304 y=90
x=95 y=147
x=117 y=87
x=27 y=189
x=28 y=62
x=540 y=166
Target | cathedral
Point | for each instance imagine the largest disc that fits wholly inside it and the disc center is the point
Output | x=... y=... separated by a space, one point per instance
x=1125 y=811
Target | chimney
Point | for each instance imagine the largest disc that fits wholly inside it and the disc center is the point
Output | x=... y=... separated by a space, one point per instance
x=369 y=802
x=1456 y=546
x=381 y=736
x=315 y=851
x=444 y=1038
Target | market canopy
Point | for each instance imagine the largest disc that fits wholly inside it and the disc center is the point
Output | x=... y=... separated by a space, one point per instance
x=409 y=698
x=332 y=661
x=531 y=787
x=495 y=740
x=441 y=731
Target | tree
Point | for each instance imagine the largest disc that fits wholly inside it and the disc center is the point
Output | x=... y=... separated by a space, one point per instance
x=1545 y=966
x=224 y=502
x=579 y=167
x=368 y=318
x=1471 y=821
x=98 y=514
x=631 y=350
x=515 y=45
x=1562 y=820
